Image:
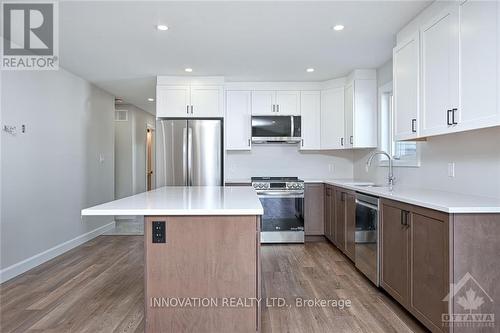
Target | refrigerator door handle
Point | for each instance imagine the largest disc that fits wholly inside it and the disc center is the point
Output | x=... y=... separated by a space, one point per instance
x=189 y=156
x=184 y=156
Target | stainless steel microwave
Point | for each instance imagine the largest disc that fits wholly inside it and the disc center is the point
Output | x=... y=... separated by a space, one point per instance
x=276 y=129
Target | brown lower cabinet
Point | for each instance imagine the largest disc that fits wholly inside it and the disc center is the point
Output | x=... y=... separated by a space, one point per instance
x=415 y=260
x=340 y=218
x=314 y=220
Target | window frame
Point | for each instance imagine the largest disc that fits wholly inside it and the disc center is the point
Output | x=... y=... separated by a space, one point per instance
x=384 y=89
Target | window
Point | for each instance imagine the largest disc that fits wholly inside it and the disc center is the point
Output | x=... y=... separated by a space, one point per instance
x=405 y=153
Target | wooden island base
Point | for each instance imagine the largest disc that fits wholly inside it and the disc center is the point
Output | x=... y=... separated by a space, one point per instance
x=195 y=278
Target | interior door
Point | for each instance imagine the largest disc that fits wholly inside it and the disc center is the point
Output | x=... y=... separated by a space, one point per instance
x=172 y=101
x=263 y=103
x=440 y=60
x=171 y=153
x=406 y=88
x=204 y=145
x=206 y=101
x=288 y=103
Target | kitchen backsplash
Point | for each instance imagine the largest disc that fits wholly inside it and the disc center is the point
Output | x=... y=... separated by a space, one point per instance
x=288 y=160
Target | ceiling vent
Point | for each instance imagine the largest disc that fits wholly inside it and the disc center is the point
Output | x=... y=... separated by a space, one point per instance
x=121 y=115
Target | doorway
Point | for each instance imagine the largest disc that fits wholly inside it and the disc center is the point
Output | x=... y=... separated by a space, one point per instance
x=150 y=158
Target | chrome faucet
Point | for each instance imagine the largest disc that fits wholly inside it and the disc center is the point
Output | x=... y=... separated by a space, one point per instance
x=391 y=177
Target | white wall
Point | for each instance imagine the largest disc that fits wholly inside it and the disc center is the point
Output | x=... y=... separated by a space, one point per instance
x=287 y=160
x=53 y=170
x=476 y=155
x=130 y=151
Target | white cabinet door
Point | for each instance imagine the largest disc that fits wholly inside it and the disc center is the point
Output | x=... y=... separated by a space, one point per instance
x=332 y=118
x=264 y=103
x=288 y=103
x=406 y=73
x=365 y=121
x=238 y=120
x=349 y=115
x=439 y=72
x=207 y=101
x=479 y=58
x=172 y=101
x=310 y=106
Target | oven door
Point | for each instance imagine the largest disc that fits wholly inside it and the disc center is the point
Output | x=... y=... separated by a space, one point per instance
x=284 y=129
x=283 y=219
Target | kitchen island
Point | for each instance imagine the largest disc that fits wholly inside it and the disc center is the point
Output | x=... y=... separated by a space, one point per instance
x=202 y=256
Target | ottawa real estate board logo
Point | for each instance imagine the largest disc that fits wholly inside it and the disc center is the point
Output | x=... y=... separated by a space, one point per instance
x=30 y=39
x=473 y=307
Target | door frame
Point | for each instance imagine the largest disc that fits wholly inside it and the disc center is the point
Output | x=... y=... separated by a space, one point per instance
x=152 y=129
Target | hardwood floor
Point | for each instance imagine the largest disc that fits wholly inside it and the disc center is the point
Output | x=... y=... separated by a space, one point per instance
x=98 y=287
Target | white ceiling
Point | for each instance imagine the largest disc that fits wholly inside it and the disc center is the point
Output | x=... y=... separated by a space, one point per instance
x=116 y=45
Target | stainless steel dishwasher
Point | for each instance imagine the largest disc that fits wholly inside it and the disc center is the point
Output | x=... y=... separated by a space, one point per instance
x=367 y=236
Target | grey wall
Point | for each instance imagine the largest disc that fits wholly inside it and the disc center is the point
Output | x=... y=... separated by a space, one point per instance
x=130 y=151
x=53 y=170
x=476 y=155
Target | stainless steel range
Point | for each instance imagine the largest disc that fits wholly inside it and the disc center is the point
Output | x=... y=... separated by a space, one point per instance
x=283 y=202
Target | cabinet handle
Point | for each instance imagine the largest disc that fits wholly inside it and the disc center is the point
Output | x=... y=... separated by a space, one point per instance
x=341 y=141
x=448 y=118
x=187 y=109
x=414 y=125
x=274 y=107
x=277 y=108
x=302 y=140
x=191 y=109
x=407 y=221
x=401 y=217
x=351 y=139
x=248 y=142
x=453 y=116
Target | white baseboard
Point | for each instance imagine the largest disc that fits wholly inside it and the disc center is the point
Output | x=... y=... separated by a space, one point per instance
x=38 y=259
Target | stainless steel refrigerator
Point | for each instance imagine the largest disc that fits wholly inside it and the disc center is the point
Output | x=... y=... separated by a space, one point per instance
x=189 y=152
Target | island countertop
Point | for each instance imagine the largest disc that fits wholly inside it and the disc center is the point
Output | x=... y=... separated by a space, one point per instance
x=184 y=200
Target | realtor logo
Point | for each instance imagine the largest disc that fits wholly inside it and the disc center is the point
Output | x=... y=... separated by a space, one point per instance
x=471 y=304
x=30 y=36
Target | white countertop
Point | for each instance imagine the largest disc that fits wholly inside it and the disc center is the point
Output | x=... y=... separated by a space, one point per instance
x=444 y=201
x=181 y=200
x=448 y=202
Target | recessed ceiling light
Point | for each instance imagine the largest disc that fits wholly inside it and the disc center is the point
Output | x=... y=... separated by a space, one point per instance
x=151 y=99
x=189 y=70
x=338 y=27
x=310 y=70
x=161 y=27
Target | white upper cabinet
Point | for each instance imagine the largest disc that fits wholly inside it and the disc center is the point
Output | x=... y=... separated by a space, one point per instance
x=440 y=41
x=288 y=103
x=310 y=108
x=360 y=112
x=238 y=120
x=479 y=24
x=173 y=101
x=275 y=103
x=189 y=101
x=349 y=115
x=263 y=103
x=406 y=73
x=207 y=101
x=459 y=70
x=332 y=118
